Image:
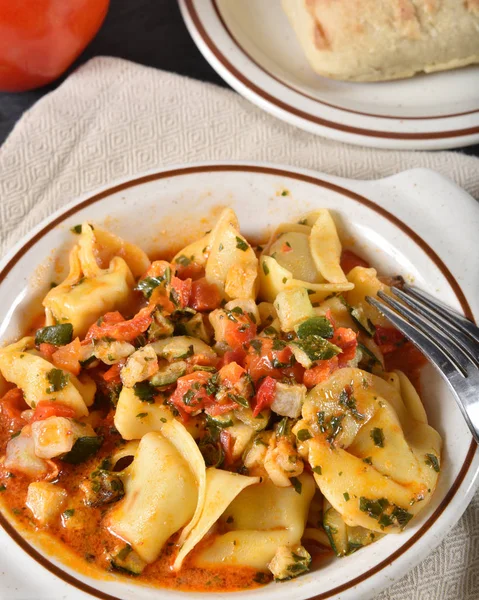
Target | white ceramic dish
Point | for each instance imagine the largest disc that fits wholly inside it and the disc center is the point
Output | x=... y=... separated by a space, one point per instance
x=416 y=223
x=252 y=46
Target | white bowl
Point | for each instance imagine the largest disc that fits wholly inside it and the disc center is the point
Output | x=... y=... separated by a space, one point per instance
x=417 y=224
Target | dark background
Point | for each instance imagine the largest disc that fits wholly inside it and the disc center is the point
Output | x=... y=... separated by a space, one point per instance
x=149 y=32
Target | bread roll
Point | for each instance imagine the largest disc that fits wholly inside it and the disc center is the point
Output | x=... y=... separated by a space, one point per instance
x=376 y=40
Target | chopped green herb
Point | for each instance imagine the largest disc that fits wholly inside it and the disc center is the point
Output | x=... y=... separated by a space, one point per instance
x=433 y=462
x=401 y=516
x=368 y=460
x=347 y=400
x=57 y=379
x=237 y=310
x=148 y=284
x=316 y=347
x=76 y=229
x=3 y=487
x=241 y=244
x=257 y=345
x=144 y=391
x=298 y=486
x=346 y=496
x=317 y=469
x=385 y=520
x=377 y=436
x=83 y=449
x=58 y=335
x=283 y=428
x=303 y=435
x=261 y=577
x=183 y=260
x=315 y=326
x=285 y=193
x=265 y=268
x=141 y=415
x=374 y=508
x=15 y=434
x=336 y=427
x=220 y=247
x=69 y=513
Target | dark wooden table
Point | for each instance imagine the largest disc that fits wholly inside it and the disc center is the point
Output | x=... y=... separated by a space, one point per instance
x=149 y=32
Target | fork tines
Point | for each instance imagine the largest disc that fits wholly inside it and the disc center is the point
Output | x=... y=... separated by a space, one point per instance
x=447 y=338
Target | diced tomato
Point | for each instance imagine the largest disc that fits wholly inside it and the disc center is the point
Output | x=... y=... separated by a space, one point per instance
x=227 y=443
x=47 y=350
x=190 y=394
x=182 y=290
x=407 y=358
x=347 y=340
x=49 y=408
x=320 y=372
x=160 y=299
x=265 y=395
x=259 y=363
x=349 y=260
x=12 y=405
x=204 y=295
x=204 y=360
x=388 y=339
x=239 y=331
x=68 y=357
x=192 y=270
x=237 y=355
x=113 y=373
x=230 y=374
x=113 y=325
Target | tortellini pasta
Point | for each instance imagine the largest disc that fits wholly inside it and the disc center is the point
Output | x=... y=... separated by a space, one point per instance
x=361 y=428
x=306 y=256
x=40 y=380
x=90 y=291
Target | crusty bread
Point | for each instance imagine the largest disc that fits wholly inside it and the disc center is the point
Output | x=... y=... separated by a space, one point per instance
x=375 y=40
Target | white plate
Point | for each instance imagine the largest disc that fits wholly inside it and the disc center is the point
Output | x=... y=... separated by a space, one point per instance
x=417 y=224
x=253 y=47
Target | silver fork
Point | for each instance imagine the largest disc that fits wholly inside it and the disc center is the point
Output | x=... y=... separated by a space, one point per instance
x=446 y=338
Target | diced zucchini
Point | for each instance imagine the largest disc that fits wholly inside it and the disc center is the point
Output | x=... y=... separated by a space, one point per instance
x=181 y=347
x=313 y=348
x=359 y=537
x=288 y=400
x=335 y=529
x=46 y=501
x=195 y=327
x=293 y=307
x=128 y=560
x=160 y=327
x=222 y=421
x=258 y=423
x=362 y=321
x=315 y=326
x=58 y=335
x=83 y=449
x=111 y=352
x=168 y=374
x=289 y=562
x=102 y=487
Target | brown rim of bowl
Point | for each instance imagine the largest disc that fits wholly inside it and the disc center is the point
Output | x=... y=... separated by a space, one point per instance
x=59 y=572
x=235 y=40
x=221 y=58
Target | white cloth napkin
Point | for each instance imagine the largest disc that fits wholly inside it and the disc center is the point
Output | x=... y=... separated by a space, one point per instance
x=112 y=119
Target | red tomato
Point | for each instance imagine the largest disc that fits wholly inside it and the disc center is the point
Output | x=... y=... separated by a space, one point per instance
x=239 y=331
x=113 y=325
x=12 y=405
x=192 y=270
x=204 y=295
x=347 y=340
x=48 y=408
x=40 y=40
x=204 y=360
x=113 y=373
x=388 y=339
x=349 y=260
x=320 y=372
x=68 y=357
x=237 y=355
x=220 y=409
x=190 y=394
x=182 y=290
x=230 y=374
x=260 y=363
x=264 y=395
x=47 y=349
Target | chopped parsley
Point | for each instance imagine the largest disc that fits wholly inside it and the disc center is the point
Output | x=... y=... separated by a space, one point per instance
x=183 y=260
x=69 y=513
x=377 y=436
x=76 y=229
x=347 y=400
x=317 y=469
x=265 y=268
x=241 y=244
x=346 y=496
x=141 y=415
x=57 y=379
x=303 y=435
x=58 y=335
x=298 y=486
x=144 y=391
x=433 y=462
